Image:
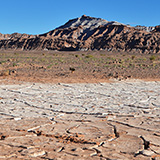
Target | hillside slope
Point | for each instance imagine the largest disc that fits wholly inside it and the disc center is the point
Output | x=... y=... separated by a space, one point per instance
x=88 y=33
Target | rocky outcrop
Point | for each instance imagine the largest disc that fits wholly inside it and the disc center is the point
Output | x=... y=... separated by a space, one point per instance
x=144 y=28
x=88 y=33
x=157 y=29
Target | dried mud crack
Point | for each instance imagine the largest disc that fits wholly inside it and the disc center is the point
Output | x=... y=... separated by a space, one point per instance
x=49 y=121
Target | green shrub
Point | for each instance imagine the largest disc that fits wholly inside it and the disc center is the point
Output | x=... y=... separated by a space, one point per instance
x=133 y=57
x=16 y=53
x=152 y=58
x=14 y=64
x=102 y=54
x=107 y=66
x=49 y=66
x=89 y=56
x=1 y=62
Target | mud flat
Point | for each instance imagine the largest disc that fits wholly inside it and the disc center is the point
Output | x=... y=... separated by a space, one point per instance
x=118 y=120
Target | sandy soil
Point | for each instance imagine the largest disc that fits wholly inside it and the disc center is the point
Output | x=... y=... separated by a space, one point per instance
x=77 y=67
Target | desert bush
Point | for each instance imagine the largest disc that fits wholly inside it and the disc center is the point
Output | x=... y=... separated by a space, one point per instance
x=152 y=58
x=154 y=65
x=128 y=59
x=107 y=66
x=133 y=57
x=72 y=69
x=1 y=62
x=54 y=54
x=108 y=58
x=16 y=53
x=102 y=54
x=43 y=60
x=14 y=64
x=89 y=56
x=49 y=66
x=120 y=65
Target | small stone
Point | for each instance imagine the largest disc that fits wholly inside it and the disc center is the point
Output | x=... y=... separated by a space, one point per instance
x=112 y=139
x=105 y=114
x=147 y=152
x=60 y=115
x=95 y=146
x=13 y=72
x=31 y=129
x=2 y=137
x=36 y=154
x=10 y=60
x=52 y=119
x=17 y=119
x=109 y=118
x=60 y=149
x=93 y=154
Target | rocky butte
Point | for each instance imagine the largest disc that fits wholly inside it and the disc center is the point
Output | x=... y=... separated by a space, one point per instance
x=88 y=33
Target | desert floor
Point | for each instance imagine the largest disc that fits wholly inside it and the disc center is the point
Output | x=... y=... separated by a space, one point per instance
x=79 y=105
x=77 y=67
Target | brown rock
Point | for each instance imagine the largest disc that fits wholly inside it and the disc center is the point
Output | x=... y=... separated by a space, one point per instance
x=128 y=144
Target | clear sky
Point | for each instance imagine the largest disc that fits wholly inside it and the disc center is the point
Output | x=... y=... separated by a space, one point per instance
x=40 y=16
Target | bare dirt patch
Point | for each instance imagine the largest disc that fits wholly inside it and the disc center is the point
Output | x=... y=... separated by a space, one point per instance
x=70 y=67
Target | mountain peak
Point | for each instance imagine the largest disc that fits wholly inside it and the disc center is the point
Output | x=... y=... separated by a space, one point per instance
x=84 y=16
x=87 y=22
x=88 y=17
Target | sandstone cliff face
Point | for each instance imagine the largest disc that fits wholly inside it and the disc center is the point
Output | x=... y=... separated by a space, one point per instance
x=88 y=33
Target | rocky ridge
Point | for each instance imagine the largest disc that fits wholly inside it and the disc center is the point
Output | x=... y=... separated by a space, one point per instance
x=88 y=33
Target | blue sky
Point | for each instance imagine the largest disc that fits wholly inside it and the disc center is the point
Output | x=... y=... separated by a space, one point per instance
x=40 y=16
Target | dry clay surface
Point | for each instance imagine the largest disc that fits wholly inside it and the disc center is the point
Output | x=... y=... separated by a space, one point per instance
x=110 y=121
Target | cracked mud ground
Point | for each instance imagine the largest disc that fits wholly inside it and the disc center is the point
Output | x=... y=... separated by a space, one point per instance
x=110 y=121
